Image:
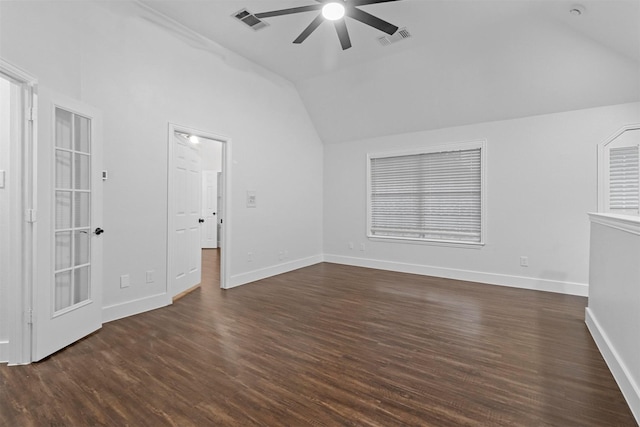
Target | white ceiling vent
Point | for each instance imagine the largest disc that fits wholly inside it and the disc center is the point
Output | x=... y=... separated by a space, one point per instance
x=399 y=35
x=249 y=19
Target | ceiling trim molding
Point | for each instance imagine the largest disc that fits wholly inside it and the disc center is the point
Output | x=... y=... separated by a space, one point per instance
x=199 y=41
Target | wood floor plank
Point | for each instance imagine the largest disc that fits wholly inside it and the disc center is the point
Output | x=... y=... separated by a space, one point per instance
x=329 y=345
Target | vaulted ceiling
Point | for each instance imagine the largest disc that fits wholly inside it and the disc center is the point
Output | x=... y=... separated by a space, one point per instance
x=467 y=61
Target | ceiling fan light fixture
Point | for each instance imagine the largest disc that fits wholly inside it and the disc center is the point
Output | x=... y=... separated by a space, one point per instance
x=333 y=11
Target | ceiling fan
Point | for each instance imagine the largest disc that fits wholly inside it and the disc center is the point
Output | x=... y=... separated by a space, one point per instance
x=336 y=10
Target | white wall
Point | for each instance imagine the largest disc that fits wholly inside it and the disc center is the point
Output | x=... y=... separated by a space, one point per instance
x=122 y=60
x=613 y=315
x=541 y=181
x=5 y=108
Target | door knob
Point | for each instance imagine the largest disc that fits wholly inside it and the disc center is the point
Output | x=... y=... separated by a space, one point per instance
x=99 y=231
x=201 y=220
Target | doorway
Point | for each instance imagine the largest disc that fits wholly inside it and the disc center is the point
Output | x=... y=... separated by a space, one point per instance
x=191 y=223
x=17 y=201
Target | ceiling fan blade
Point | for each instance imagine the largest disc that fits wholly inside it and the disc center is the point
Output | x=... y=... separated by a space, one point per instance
x=310 y=29
x=288 y=11
x=366 y=2
x=343 y=34
x=369 y=19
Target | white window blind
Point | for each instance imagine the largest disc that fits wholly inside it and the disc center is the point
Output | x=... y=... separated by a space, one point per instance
x=433 y=196
x=624 y=179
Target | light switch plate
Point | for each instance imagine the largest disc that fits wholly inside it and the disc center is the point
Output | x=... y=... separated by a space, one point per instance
x=251 y=199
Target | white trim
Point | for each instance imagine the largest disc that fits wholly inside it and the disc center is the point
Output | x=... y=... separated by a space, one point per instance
x=4 y=351
x=225 y=230
x=453 y=146
x=628 y=223
x=264 y=273
x=177 y=28
x=414 y=241
x=137 y=306
x=532 y=283
x=17 y=73
x=23 y=263
x=630 y=389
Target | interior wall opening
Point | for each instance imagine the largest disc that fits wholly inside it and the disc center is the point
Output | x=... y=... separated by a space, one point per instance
x=17 y=211
x=197 y=233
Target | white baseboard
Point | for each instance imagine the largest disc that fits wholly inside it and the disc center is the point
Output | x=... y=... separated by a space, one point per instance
x=4 y=351
x=130 y=308
x=569 y=288
x=630 y=389
x=263 y=273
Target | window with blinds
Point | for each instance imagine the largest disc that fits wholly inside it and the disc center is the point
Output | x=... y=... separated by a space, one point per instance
x=619 y=172
x=624 y=179
x=428 y=196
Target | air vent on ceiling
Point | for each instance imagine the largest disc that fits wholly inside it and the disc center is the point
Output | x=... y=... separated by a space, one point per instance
x=399 y=35
x=249 y=19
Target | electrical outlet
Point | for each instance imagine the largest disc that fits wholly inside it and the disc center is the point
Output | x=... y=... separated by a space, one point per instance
x=351 y=245
x=249 y=256
x=150 y=278
x=362 y=247
x=124 y=281
x=524 y=261
x=280 y=255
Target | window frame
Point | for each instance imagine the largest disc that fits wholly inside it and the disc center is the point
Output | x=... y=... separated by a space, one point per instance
x=603 y=154
x=432 y=149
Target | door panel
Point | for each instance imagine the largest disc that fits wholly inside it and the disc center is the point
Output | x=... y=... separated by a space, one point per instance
x=187 y=257
x=68 y=293
x=209 y=209
x=220 y=200
x=194 y=210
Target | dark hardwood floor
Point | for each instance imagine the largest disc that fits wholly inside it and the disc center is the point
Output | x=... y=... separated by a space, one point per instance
x=329 y=345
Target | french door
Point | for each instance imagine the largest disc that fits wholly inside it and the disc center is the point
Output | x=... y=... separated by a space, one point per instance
x=68 y=293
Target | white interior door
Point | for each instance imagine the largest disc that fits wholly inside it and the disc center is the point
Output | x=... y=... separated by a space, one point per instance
x=187 y=256
x=209 y=209
x=220 y=199
x=68 y=294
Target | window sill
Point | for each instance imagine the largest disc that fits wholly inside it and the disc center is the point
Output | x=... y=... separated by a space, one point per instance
x=628 y=223
x=446 y=243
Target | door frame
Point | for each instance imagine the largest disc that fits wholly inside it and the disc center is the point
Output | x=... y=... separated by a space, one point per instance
x=225 y=237
x=22 y=218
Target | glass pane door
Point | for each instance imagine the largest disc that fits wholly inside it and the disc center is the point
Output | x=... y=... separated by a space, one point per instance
x=72 y=210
